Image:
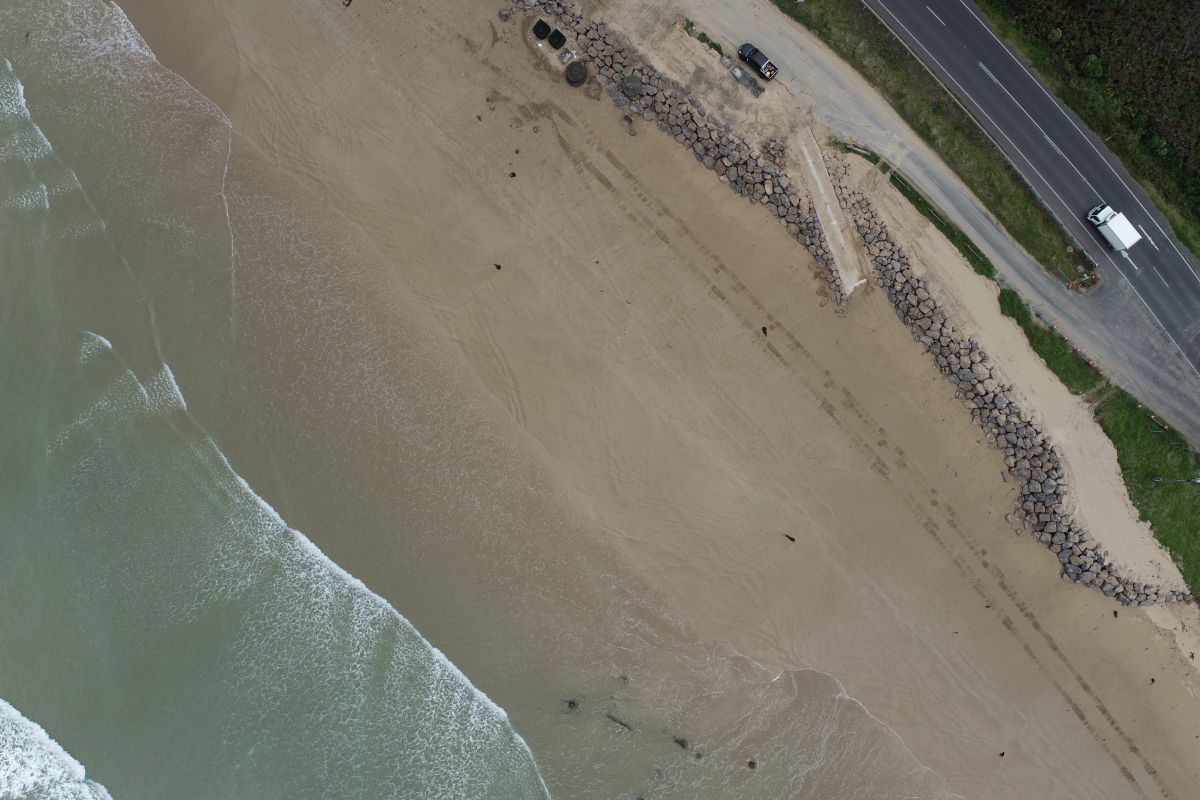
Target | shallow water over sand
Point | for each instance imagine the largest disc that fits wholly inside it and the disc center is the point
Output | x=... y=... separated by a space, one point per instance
x=170 y=627
x=201 y=363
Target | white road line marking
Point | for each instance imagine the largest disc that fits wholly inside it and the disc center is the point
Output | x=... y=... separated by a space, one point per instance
x=1125 y=255
x=935 y=16
x=1072 y=218
x=1056 y=147
x=989 y=72
x=1160 y=277
x=1167 y=333
x=1156 y=319
x=1041 y=130
x=1148 y=238
x=1084 y=136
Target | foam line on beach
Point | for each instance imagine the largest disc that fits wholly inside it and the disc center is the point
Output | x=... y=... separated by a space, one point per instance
x=167 y=380
x=104 y=41
x=844 y=695
x=35 y=767
x=159 y=395
x=122 y=22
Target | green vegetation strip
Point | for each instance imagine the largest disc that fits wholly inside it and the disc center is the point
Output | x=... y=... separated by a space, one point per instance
x=1135 y=87
x=856 y=35
x=1070 y=367
x=1146 y=451
x=689 y=28
x=978 y=261
x=1145 y=447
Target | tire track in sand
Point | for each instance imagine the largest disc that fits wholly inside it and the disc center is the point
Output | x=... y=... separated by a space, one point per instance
x=829 y=397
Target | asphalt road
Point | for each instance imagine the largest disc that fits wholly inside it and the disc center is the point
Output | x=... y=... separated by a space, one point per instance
x=1065 y=163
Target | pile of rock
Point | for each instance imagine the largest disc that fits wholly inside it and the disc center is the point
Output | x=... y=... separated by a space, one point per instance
x=776 y=150
x=647 y=94
x=1032 y=459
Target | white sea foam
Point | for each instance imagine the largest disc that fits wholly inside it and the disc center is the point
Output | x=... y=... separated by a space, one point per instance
x=447 y=685
x=126 y=394
x=62 y=182
x=26 y=141
x=24 y=144
x=35 y=767
x=83 y=229
x=12 y=94
x=314 y=599
x=370 y=608
x=93 y=345
x=31 y=198
x=163 y=393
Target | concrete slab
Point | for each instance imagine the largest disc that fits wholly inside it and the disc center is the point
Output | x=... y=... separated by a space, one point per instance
x=849 y=260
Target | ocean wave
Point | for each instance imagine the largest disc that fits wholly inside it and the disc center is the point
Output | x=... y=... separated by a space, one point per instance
x=32 y=198
x=302 y=622
x=92 y=346
x=35 y=767
x=376 y=687
x=26 y=143
x=421 y=720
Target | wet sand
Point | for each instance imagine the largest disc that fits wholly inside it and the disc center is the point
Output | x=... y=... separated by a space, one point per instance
x=608 y=296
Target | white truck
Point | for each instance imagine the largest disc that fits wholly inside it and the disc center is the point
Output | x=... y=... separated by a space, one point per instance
x=1116 y=229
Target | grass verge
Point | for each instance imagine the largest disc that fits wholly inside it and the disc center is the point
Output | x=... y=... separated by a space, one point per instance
x=856 y=36
x=978 y=261
x=1146 y=450
x=689 y=28
x=1071 y=368
x=1145 y=447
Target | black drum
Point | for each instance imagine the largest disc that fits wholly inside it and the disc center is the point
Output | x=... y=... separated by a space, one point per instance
x=541 y=29
x=576 y=73
x=557 y=39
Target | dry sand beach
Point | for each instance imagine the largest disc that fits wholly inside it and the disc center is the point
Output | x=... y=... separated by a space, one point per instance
x=810 y=497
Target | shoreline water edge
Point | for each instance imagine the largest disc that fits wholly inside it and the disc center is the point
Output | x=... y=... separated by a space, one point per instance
x=116 y=456
x=575 y=525
x=250 y=659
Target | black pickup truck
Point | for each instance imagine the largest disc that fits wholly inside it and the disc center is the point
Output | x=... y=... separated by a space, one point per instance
x=758 y=59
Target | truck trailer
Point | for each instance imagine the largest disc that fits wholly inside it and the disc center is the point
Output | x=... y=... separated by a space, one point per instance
x=1115 y=228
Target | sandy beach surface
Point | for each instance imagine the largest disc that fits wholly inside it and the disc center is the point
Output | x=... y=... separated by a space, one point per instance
x=812 y=496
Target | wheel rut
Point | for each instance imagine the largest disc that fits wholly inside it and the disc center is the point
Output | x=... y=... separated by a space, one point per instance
x=639 y=203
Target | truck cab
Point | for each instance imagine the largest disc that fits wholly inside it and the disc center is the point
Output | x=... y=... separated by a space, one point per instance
x=1114 y=227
